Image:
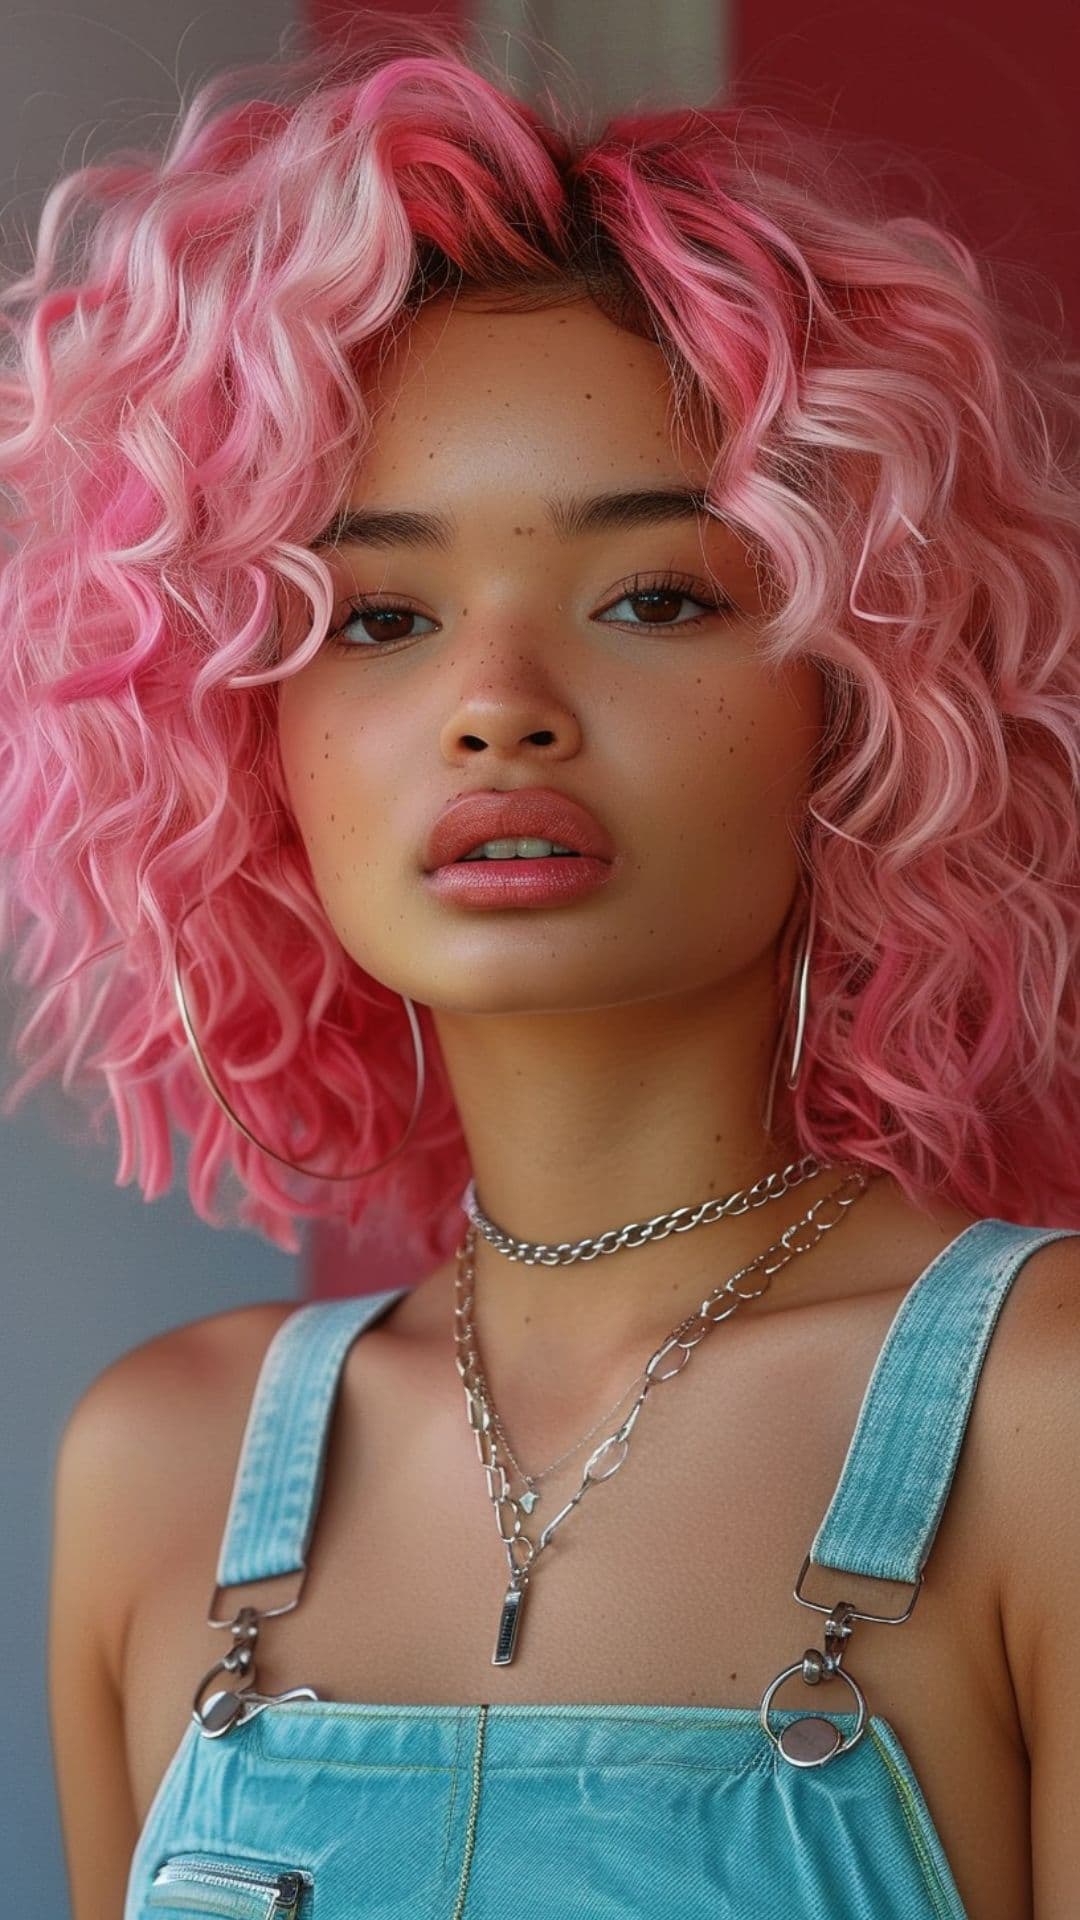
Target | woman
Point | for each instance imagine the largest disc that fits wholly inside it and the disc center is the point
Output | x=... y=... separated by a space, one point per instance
x=615 y=602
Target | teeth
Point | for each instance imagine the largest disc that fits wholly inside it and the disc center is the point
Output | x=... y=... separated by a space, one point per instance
x=523 y=849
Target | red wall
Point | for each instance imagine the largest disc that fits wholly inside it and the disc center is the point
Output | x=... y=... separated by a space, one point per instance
x=985 y=95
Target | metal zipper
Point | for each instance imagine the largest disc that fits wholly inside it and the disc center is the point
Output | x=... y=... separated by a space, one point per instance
x=282 y=1890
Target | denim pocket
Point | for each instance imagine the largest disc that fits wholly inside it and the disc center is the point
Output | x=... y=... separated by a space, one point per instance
x=187 y=1884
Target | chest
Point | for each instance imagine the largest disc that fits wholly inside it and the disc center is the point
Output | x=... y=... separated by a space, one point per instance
x=669 y=1584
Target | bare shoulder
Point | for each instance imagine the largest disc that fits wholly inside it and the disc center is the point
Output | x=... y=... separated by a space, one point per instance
x=1035 y=1356
x=150 y=1391
x=189 y=1352
x=145 y=1436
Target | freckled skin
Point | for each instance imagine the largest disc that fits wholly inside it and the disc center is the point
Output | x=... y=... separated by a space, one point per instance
x=635 y=1025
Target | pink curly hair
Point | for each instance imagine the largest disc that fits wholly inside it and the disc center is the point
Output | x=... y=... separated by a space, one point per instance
x=181 y=407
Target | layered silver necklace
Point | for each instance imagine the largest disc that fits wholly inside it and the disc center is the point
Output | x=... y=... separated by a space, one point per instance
x=676 y=1348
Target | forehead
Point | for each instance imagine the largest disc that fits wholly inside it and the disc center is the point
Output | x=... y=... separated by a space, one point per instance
x=555 y=385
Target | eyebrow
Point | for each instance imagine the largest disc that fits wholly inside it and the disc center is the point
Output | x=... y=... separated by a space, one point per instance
x=571 y=515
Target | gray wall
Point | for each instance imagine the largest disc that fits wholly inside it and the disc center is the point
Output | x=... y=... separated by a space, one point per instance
x=600 y=56
x=89 y=1269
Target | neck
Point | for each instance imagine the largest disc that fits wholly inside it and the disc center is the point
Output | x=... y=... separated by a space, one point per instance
x=578 y=1122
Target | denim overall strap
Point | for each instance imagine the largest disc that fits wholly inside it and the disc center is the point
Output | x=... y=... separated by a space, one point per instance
x=895 y=1480
x=279 y=1474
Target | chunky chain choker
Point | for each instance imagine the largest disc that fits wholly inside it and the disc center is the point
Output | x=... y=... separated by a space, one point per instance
x=772 y=1186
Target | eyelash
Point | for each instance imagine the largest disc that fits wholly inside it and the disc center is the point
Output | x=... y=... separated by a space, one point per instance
x=668 y=583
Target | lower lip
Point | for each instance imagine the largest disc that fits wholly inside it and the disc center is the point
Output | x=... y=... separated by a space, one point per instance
x=519 y=883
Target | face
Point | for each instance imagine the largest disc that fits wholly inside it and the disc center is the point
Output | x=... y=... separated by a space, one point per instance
x=617 y=664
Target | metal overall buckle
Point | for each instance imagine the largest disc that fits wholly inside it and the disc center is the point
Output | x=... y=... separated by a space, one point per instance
x=232 y=1706
x=812 y=1741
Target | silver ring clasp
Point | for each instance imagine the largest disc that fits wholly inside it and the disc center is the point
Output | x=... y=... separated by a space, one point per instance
x=225 y=1707
x=230 y=1707
x=812 y=1741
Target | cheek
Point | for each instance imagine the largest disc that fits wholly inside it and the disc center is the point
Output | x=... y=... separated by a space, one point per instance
x=340 y=792
x=304 y=766
x=731 y=761
x=775 y=727
x=319 y=766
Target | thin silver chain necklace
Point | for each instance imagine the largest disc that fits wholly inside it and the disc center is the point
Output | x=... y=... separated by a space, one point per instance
x=771 y=1186
x=608 y=1457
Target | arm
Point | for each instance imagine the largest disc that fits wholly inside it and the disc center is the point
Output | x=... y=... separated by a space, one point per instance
x=86 y=1616
x=153 y=1438
x=1038 y=1446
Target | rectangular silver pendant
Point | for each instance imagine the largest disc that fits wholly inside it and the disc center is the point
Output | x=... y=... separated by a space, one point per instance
x=508 y=1627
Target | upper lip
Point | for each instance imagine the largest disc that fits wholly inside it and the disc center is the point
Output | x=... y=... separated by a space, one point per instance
x=538 y=813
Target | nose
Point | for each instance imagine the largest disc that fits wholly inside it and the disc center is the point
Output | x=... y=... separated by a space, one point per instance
x=507 y=714
x=505 y=729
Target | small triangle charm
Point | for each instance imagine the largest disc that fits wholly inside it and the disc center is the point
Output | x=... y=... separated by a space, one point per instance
x=529 y=1499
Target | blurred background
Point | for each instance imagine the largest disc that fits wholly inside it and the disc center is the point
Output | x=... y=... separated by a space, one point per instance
x=978 y=102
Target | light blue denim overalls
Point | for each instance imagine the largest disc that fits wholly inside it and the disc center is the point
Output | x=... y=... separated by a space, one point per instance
x=332 y=1810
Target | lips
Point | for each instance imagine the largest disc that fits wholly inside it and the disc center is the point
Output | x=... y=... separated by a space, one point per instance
x=539 y=813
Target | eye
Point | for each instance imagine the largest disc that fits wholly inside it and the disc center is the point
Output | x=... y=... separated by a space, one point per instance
x=661 y=592
x=657 y=593
x=386 y=617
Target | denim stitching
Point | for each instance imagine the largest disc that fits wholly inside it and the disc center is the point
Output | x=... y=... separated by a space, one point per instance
x=944 y=1907
x=474 y=1808
x=452 y=1796
x=759 y=1760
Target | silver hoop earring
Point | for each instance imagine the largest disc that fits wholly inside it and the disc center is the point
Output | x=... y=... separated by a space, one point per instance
x=801 y=993
x=798 y=999
x=185 y=1016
